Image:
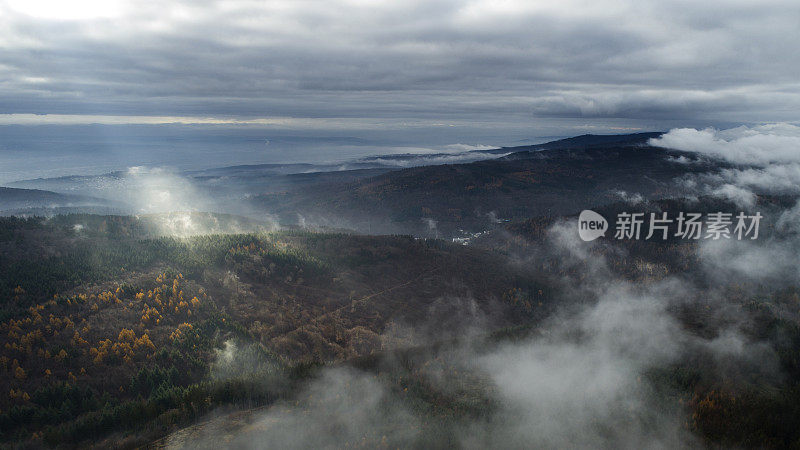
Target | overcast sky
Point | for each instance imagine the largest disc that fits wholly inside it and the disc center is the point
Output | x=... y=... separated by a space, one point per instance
x=493 y=68
x=425 y=60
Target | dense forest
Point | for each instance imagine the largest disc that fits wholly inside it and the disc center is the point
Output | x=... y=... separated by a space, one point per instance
x=458 y=224
x=112 y=332
x=106 y=326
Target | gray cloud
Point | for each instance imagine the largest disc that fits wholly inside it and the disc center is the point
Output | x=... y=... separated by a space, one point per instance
x=713 y=61
x=759 y=145
x=765 y=160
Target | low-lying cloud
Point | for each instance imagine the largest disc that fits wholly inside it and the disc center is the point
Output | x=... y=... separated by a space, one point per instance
x=580 y=381
x=761 y=145
x=765 y=159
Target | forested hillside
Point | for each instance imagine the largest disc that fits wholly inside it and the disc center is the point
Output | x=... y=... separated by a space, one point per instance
x=111 y=330
x=106 y=325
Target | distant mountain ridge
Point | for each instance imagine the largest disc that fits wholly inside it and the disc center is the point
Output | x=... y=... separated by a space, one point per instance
x=35 y=201
x=559 y=177
x=583 y=141
x=506 y=183
x=385 y=162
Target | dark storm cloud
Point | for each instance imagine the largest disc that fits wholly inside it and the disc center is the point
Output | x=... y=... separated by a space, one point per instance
x=460 y=60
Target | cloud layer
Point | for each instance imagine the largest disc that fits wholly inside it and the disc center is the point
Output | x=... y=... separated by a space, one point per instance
x=765 y=159
x=455 y=60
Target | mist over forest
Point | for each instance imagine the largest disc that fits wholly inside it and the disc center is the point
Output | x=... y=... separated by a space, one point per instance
x=449 y=224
